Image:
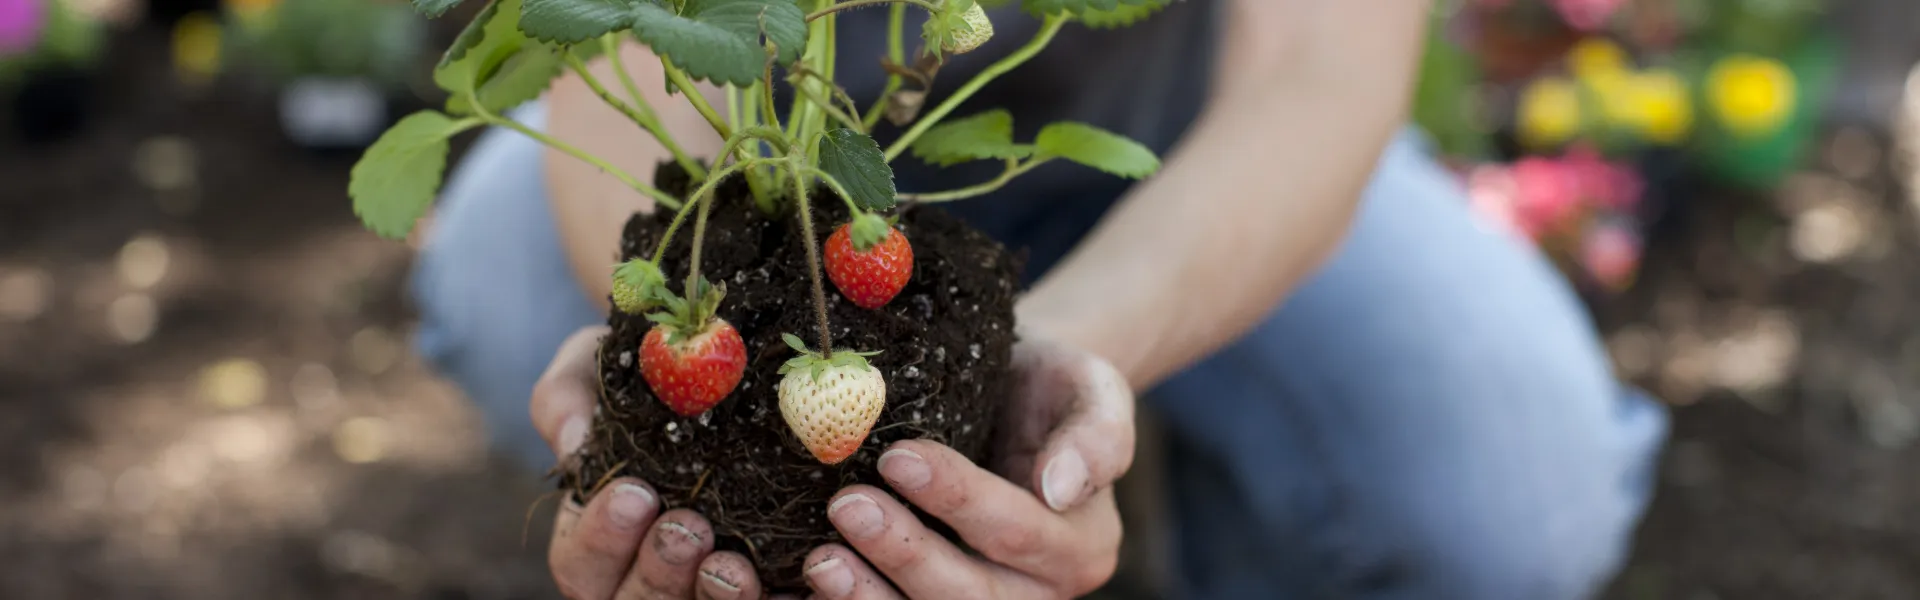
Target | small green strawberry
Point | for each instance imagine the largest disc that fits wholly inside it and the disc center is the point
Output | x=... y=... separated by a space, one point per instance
x=638 y=286
x=830 y=403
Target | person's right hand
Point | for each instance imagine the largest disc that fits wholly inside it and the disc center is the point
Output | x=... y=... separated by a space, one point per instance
x=619 y=546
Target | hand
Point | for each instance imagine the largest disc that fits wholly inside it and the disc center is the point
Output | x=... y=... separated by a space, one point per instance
x=619 y=546
x=1072 y=413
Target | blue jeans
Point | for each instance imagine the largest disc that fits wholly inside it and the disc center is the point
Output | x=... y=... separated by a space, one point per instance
x=1429 y=417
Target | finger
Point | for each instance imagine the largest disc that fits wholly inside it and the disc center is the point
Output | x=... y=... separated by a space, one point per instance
x=920 y=562
x=1092 y=445
x=594 y=546
x=997 y=518
x=563 y=398
x=835 y=573
x=669 y=561
x=727 y=576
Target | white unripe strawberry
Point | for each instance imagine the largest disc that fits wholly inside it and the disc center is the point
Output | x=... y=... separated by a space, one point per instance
x=977 y=31
x=831 y=404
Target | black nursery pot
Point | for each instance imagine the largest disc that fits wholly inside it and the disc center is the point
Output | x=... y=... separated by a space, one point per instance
x=51 y=104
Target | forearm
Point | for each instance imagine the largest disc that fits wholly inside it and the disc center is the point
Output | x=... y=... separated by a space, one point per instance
x=590 y=208
x=1258 y=194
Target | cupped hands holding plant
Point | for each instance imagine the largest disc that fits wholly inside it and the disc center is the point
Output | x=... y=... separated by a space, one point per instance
x=1043 y=522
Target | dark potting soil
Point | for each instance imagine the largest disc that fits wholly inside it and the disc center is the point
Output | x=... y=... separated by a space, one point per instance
x=946 y=346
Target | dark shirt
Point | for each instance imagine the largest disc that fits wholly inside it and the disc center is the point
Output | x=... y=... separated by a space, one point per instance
x=1146 y=82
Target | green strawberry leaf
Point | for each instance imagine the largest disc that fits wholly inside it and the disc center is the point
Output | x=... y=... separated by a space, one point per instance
x=720 y=40
x=571 y=21
x=493 y=62
x=856 y=161
x=794 y=342
x=432 y=9
x=1097 y=148
x=396 y=179
x=1124 y=15
x=1048 y=7
x=977 y=137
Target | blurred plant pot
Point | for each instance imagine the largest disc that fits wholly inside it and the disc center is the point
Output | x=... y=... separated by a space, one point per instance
x=332 y=113
x=51 y=103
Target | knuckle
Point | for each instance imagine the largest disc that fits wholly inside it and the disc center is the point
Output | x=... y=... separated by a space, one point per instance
x=1090 y=575
x=947 y=498
x=898 y=558
x=1015 y=542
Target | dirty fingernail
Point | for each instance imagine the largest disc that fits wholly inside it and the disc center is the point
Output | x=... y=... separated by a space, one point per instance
x=1063 y=479
x=572 y=435
x=677 y=545
x=905 y=469
x=629 y=506
x=712 y=585
x=857 y=516
x=831 y=578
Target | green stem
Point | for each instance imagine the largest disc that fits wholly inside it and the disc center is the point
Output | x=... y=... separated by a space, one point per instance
x=834 y=184
x=768 y=112
x=770 y=135
x=649 y=191
x=610 y=46
x=1013 y=170
x=699 y=101
x=645 y=119
x=713 y=180
x=839 y=94
x=813 y=257
x=853 y=4
x=826 y=106
x=896 y=52
x=818 y=57
x=1021 y=56
x=733 y=107
x=699 y=239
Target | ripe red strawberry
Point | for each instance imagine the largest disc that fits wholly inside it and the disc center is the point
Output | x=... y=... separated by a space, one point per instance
x=831 y=403
x=693 y=373
x=869 y=261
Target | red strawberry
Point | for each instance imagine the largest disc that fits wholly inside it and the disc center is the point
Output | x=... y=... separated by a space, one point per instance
x=692 y=374
x=869 y=261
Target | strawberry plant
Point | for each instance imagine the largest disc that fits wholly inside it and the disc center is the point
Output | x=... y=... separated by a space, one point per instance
x=709 y=391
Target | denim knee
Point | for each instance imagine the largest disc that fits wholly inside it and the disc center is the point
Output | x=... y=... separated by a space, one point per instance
x=495 y=295
x=1430 y=416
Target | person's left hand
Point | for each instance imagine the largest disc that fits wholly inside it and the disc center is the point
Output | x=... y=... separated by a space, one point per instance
x=1072 y=413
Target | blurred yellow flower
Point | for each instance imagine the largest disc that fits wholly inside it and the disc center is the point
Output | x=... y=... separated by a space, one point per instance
x=1751 y=95
x=1549 y=112
x=1661 y=111
x=1595 y=59
x=196 y=47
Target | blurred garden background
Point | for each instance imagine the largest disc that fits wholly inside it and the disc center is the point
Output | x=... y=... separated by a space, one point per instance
x=204 y=364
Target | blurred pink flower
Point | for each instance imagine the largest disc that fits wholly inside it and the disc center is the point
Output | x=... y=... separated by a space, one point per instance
x=20 y=24
x=1587 y=15
x=1611 y=254
x=1612 y=186
x=1546 y=197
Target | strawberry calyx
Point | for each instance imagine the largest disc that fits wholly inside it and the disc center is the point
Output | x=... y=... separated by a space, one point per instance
x=685 y=320
x=868 y=230
x=639 y=286
x=818 y=364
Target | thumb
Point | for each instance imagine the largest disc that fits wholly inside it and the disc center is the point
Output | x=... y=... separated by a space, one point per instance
x=563 y=398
